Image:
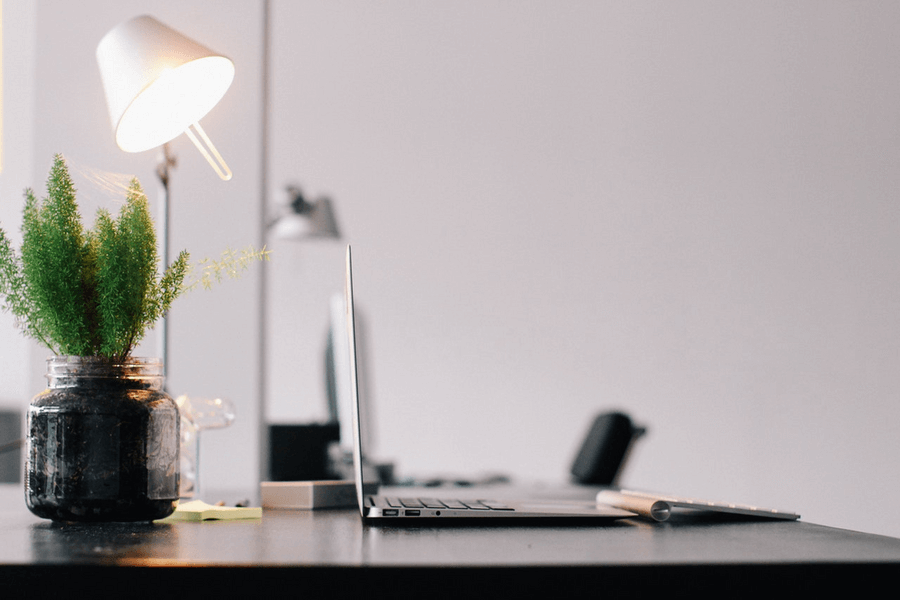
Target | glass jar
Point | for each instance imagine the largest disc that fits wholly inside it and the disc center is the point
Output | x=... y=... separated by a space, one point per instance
x=102 y=442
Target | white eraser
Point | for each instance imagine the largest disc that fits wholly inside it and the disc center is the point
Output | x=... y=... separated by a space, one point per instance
x=308 y=494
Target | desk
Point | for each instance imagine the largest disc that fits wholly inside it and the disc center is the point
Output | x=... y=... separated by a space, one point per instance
x=334 y=548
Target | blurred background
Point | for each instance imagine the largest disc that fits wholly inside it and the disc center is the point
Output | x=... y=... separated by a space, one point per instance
x=686 y=211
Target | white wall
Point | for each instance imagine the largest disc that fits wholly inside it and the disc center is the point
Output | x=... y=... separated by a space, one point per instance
x=17 y=115
x=684 y=210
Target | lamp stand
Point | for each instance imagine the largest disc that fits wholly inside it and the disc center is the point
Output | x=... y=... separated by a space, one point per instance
x=167 y=162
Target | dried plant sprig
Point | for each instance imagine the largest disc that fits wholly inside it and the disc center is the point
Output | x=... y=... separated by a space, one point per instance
x=232 y=265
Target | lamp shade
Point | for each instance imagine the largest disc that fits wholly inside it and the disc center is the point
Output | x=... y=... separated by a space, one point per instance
x=157 y=82
x=316 y=222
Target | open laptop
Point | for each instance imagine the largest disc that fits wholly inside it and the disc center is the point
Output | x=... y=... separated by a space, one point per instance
x=376 y=506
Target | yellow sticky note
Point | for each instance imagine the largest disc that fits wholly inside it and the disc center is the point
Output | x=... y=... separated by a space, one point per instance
x=198 y=510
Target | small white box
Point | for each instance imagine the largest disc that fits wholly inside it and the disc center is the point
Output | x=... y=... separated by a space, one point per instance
x=308 y=494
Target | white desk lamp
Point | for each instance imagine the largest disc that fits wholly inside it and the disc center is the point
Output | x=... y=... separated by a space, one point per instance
x=301 y=219
x=158 y=84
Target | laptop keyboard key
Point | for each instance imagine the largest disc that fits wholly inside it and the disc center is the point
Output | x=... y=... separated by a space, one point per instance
x=496 y=505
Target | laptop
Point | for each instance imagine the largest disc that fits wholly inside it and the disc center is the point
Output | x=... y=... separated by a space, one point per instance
x=373 y=507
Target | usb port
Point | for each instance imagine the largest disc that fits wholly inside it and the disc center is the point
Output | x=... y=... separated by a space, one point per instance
x=390 y=512
x=412 y=513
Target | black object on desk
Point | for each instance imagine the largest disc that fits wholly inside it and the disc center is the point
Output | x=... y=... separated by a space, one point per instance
x=605 y=449
x=10 y=446
x=300 y=452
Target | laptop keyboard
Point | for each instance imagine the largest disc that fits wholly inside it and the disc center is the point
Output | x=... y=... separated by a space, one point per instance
x=419 y=503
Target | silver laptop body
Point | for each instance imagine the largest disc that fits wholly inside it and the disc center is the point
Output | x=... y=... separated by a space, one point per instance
x=375 y=506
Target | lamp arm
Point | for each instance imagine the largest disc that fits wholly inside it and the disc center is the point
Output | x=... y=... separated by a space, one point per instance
x=208 y=150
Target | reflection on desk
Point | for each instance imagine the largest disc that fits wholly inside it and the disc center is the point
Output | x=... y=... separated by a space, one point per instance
x=333 y=547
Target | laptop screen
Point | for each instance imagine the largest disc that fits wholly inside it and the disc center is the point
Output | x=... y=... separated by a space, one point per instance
x=356 y=408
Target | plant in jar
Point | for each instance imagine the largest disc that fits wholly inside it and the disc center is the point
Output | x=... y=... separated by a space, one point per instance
x=103 y=439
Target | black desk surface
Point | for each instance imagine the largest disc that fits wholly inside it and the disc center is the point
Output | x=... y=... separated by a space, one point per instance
x=333 y=547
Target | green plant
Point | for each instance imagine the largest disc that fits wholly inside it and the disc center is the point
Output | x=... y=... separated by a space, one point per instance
x=90 y=292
